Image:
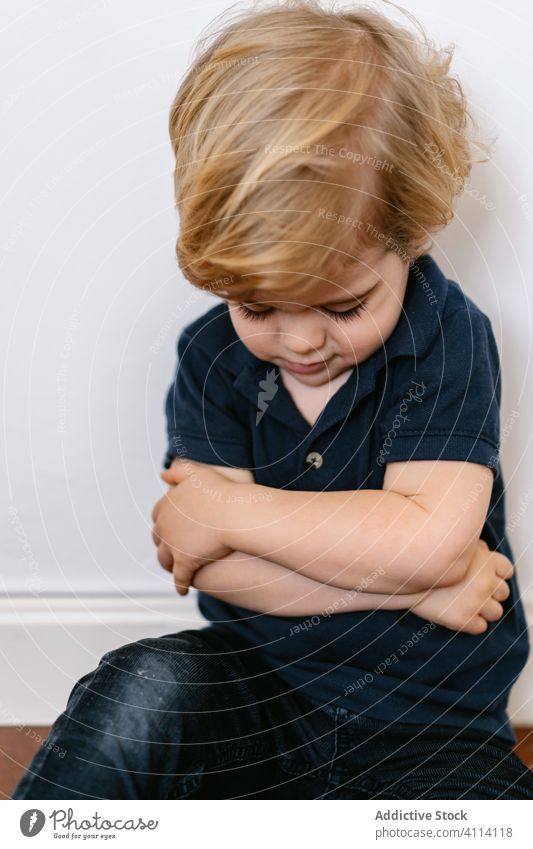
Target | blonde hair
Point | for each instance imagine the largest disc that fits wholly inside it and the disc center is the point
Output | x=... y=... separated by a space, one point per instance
x=304 y=136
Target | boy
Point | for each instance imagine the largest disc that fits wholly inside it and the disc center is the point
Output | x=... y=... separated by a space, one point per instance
x=333 y=450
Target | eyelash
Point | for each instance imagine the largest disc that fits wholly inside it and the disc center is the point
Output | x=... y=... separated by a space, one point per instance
x=347 y=315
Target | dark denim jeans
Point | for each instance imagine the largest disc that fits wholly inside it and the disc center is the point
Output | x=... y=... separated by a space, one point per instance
x=198 y=715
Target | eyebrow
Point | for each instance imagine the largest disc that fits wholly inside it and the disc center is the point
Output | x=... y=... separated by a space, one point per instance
x=344 y=300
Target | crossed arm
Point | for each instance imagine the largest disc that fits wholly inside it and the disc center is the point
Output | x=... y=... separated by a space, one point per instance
x=265 y=586
x=422 y=527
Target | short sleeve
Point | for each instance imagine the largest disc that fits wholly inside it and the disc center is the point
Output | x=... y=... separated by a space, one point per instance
x=201 y=422
x=448 y=406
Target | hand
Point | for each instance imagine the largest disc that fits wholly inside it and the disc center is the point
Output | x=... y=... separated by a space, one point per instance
x=469 y=605
x=188 y=520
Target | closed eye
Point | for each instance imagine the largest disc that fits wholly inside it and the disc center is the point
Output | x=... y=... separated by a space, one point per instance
x=345 y=315
x=254 y=315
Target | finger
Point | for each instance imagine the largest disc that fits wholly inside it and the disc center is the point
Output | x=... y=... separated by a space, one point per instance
x=505 y=568
x=156 y=539
x=477 y=625
x=180 y=588
x=182 y=578
x=176 y=473
x=502 y=591
x=491 y=610
x=167 y=477
x=164 y=555
x=483 y=543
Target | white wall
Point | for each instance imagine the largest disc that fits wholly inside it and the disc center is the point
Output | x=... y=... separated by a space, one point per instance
x=90 y=285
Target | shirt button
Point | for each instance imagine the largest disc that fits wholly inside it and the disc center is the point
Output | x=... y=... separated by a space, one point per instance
x=315 y=458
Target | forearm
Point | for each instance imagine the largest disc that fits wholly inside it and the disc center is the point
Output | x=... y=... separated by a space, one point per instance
x=337 y=537
x=267 y=587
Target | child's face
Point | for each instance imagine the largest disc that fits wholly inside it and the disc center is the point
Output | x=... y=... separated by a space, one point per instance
x=334 y=328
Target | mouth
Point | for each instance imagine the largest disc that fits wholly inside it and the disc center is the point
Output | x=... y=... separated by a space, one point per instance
x=304 y=368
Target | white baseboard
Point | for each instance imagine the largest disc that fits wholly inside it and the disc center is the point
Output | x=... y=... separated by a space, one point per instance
x=47 y=644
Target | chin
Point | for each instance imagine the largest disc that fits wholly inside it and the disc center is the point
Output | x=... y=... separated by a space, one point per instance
x=319 y=379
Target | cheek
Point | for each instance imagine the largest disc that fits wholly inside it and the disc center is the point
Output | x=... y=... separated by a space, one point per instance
x=351 y=336
x=389 y=318
x=377 y=329
x=359 y=339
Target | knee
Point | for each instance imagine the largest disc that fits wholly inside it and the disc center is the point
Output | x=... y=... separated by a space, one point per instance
x=145 y=658
x=163 y=671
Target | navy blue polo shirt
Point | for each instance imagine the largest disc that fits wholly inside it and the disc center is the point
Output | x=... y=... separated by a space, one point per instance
x=431 y=392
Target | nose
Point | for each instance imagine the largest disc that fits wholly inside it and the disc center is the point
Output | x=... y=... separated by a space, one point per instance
x=304 y=336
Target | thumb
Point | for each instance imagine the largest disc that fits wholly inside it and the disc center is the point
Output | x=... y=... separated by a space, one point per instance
x=174 y=475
